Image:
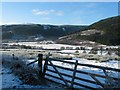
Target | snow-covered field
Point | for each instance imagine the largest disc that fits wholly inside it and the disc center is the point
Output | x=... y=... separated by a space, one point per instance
x=45 y=46
x=11 y=81
x=30 y=55
x=68 y=48
x=113 y=64
x=55 y=46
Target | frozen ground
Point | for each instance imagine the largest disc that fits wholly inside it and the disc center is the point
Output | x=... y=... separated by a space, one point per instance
x=11 y=81
x=45 y=46
x=113 y=64
x=30 y=55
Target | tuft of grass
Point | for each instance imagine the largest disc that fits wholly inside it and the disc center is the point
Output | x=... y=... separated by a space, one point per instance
x=27 y=74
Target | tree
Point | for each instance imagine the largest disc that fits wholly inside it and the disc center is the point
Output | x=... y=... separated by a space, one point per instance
x=77 y=51
x=77 y=48
x=62 y=48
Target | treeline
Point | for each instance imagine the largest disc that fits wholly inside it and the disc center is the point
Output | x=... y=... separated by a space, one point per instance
x=47 y=31
x=110 y=27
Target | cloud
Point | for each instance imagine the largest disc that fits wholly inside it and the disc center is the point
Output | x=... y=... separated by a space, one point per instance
x=46 y=18
x=9 y=23
x=91 y=5
x=59 y=13
x=38 y=12
x=47 y=12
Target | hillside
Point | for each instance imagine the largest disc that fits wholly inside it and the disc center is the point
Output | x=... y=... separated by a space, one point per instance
x=37 y=31
x=105 y=31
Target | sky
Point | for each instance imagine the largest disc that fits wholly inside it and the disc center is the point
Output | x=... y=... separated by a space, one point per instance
x=57 y=13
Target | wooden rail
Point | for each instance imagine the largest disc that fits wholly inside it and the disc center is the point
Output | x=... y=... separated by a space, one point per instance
x=88 y=65
x=84 y=72
x=74 y=77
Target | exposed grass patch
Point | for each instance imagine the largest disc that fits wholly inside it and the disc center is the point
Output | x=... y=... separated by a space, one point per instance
x=27 y=74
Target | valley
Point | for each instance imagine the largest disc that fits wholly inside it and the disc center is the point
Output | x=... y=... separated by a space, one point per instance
x=95 y=45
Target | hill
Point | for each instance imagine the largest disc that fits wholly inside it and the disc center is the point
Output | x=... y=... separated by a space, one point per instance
x=105 y=31
x=37 y=31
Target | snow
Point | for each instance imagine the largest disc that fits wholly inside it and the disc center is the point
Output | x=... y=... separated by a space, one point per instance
x=11 y=81
x=8 y=79
x=15 y=82
x=85 y=69
x=113 y=64
x=63 y=29
x=46 y=27
x=103 y=52
x=46 y=46
x=73 y=51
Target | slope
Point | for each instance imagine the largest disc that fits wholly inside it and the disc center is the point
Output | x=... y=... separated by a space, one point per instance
x=32 y=31
x=105 y=31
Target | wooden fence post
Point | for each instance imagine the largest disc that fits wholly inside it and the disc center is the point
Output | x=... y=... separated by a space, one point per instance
x=40 y=57
x=45 y=65
x=72 y=82
x=13 y=56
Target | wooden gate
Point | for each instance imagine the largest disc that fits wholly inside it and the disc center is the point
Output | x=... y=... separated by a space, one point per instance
x=71 y=82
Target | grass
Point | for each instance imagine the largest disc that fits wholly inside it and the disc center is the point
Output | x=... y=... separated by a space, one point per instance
x=30 y=75
x=26 y=74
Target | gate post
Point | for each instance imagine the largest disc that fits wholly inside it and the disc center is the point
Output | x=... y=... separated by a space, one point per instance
x=45 y=65
x=13 y=56
x=40 y=58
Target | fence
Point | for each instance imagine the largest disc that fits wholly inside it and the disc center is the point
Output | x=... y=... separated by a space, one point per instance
x=71 y=82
